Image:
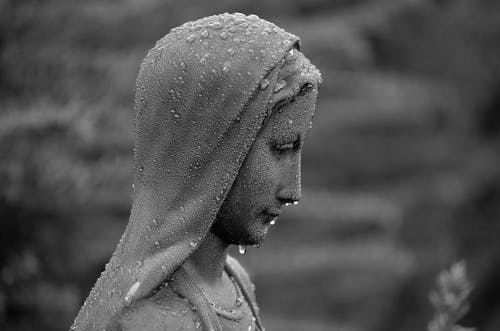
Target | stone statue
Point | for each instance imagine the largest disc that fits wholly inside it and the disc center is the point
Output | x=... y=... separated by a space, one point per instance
x=222 y=108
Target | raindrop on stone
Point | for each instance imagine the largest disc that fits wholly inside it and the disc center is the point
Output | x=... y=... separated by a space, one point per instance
x=295 y=203
x=230 y=51
x=273 y=221
x=226 y=66
x=264 y=84
x=155 y=222
x=242 y=249
x=204 y=34
x=239 y=301
x=223 y=35
x=287 y=204
x=215 y=25
x=193 y=244
x=290 y=121
x=190 y=38
x=131 y=292
x=279 y=85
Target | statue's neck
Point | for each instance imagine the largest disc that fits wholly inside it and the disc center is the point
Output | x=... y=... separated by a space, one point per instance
x=209 y=259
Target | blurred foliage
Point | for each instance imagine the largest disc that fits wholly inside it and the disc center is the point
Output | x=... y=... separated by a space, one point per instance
x=449 y=299
x=400 y=170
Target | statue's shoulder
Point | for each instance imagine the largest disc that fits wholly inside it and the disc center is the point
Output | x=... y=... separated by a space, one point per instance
x=166 y=310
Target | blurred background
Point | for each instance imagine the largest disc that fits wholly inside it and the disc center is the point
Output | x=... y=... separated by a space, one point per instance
x=401 y=171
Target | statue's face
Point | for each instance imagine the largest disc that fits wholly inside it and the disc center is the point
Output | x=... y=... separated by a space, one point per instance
x=269 y=177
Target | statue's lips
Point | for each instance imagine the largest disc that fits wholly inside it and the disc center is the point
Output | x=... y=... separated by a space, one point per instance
x=271 y=214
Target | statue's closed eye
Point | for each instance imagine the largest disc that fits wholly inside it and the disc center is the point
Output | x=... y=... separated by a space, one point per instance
x=288 y=146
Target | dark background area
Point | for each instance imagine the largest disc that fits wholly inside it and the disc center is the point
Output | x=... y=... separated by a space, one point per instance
x=401 y=170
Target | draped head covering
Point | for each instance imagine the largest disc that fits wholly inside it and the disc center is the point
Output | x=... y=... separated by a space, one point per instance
x=202 y=95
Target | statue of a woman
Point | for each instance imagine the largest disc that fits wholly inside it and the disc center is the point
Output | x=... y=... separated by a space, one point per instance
x=223 y=105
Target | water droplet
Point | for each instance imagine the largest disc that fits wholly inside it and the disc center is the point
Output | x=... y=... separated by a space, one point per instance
x=223 y=35
x=264 y=84
x=273 y=221
x=204 y=34
x=290 y=122
x=253 y=17
x=279 y=85
x=141 y=169
x=155 y=222
x=295 y=203
x=230 y=51
x=203 y=61
x=239 y=301
x=215 y=25
x=193 y=244
x=226 y=66
x=131 y=292
x=239 y=21
x=163 y=267
x=287 y=204
x=242 y=249
x=157 y=244
x=190 y=38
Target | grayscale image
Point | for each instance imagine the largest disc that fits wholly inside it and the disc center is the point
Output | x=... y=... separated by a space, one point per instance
x=250 y=165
